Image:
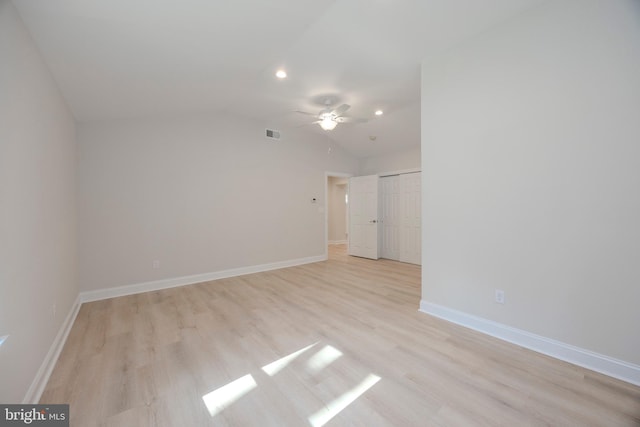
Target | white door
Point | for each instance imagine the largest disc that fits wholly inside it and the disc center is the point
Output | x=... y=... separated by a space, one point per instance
x=390 y=217
x=363 y=216
x=410 y=228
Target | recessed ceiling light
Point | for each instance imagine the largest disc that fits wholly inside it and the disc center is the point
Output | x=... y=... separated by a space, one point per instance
x=281 y=74
x=379 y=112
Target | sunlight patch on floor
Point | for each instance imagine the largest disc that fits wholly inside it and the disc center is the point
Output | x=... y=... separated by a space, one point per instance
x=274 y=367
x=325 y=415
x=221 y=398
x=323 y=358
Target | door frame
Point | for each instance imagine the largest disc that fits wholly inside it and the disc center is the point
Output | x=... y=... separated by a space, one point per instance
x=400 y=172
x=327 y=174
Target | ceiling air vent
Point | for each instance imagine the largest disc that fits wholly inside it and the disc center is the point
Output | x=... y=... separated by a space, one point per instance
x=273 y=134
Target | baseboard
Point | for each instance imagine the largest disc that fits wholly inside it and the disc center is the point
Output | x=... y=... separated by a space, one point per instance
x=156 y=285
x=578 y=356
x=46 y=368
x=337 y=242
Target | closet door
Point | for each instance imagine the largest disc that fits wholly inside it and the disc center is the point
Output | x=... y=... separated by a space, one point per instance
x=390 y=216
x=410 y=224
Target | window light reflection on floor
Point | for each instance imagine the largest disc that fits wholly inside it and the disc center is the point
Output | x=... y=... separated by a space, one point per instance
x=325 y=415
x=323 y=358
x=274 y=367
x=221 y=398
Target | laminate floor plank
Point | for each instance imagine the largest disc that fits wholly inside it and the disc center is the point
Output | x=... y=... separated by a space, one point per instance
x=336 y=343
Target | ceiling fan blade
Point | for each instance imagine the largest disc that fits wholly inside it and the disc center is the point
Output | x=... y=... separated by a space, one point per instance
x=304 y=124
x=350 y=120
x=305 y=113
x=341 y=109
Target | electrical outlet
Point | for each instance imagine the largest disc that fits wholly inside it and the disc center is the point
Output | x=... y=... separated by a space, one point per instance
x=156 y=263
x=54 y=309
x=499 y=296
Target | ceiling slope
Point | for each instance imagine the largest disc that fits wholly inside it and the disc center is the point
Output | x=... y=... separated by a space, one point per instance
x=122 y=59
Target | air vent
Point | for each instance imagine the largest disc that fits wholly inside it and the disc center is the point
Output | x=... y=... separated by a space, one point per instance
x=273 y=134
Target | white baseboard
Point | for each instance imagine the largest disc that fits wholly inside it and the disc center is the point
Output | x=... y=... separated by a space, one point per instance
x=578 y=356
x=337 y=242
x=156 y=285
x=46 y=368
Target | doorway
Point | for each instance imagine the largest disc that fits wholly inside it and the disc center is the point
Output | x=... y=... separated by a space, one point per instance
x=336 y=209
x=385 y=217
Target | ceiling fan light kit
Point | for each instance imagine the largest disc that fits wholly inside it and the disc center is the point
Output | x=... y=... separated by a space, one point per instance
x=329 y=119
x=328 y=123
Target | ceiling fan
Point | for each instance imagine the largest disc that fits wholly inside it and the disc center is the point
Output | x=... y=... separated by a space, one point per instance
x=329 y=118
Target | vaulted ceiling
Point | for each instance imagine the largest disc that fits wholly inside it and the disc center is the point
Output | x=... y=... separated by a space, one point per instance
x=120 y=59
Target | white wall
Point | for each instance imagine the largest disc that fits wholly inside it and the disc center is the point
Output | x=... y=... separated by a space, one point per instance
x=337 y=189
x=201 y=195
x=393 y=162
x=37 y=208
x=531 y=173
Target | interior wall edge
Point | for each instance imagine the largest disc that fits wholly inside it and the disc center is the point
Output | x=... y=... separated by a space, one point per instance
x=46 y=368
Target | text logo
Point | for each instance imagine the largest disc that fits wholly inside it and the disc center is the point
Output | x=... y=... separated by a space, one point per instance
x=34 y=415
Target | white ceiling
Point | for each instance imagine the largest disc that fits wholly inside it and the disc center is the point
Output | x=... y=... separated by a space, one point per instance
x=119 y=59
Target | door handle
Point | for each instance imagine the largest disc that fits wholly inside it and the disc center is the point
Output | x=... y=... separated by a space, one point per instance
x=373 y=221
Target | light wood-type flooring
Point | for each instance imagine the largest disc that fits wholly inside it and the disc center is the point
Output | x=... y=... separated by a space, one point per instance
x=336 y=343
